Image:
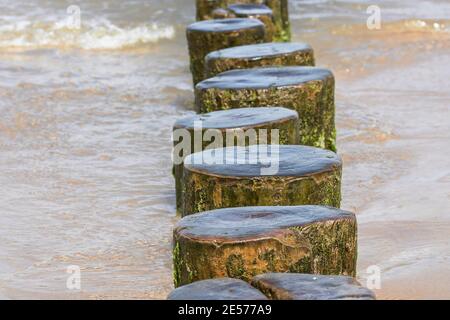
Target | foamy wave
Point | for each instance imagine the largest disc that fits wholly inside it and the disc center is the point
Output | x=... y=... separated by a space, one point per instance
x=93 y=35
x=424 y=25
x=413 y=26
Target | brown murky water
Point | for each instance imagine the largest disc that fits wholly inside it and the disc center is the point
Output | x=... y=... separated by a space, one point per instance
x=85 y=124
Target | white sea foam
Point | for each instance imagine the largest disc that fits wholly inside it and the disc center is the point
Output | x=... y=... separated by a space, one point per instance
x=92 y=35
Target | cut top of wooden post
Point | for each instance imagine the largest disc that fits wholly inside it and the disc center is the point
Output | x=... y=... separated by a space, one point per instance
x=242 y=162
x=225 y=25
x=250 y=9
x=264 y=78
x=242 y=118
x=291 y=286
x=231 y=225
x=217 y=289
x=276 y=54
x=261 y=51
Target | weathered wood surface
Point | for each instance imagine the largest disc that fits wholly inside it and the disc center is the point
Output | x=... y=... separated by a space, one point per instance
x=290 y=286
x=228 y=124
x=245 y=242
x=245 y=176
x=275 y=54
x=206 y=36
x=308 y=90
x=217 y=289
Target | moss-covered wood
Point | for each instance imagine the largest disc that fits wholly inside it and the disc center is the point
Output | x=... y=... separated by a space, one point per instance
x=308 y=90
x=253 y=123
x=244 y=242
x=207 y=36
x=280 y=9
x=217 y=289
x=257 y=11
x=291 y=286
x=259 y=55
x=293 y=175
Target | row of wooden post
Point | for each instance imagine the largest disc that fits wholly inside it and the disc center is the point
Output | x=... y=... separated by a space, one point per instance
x=277 y=231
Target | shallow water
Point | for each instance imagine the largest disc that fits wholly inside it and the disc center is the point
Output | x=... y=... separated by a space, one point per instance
x=85 y=128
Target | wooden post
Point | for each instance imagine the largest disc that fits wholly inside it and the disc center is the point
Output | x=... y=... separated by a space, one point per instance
x=308 y=90
x=250 y=122
x=217 y=289
x=244 y=242
x=260 y=12
x=291 y=286
x=207 y=36
x=259 y=55
x=280 y=9
x=246 y=176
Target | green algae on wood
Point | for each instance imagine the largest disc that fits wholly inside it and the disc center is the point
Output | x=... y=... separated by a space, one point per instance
x=291 y=286
x=217 y=289
x=244 y=242
x=259 y=55
x=207 y=36
x=307 y=90
x=280 y=9
x=263 y=176
x=249 y=124
x=260 y=12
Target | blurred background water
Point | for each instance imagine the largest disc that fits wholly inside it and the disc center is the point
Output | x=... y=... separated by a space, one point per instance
x=85 y=151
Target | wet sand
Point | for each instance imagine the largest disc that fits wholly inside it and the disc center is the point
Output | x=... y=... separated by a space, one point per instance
x=85 y=151
x=405 y=218
x=394 y=122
